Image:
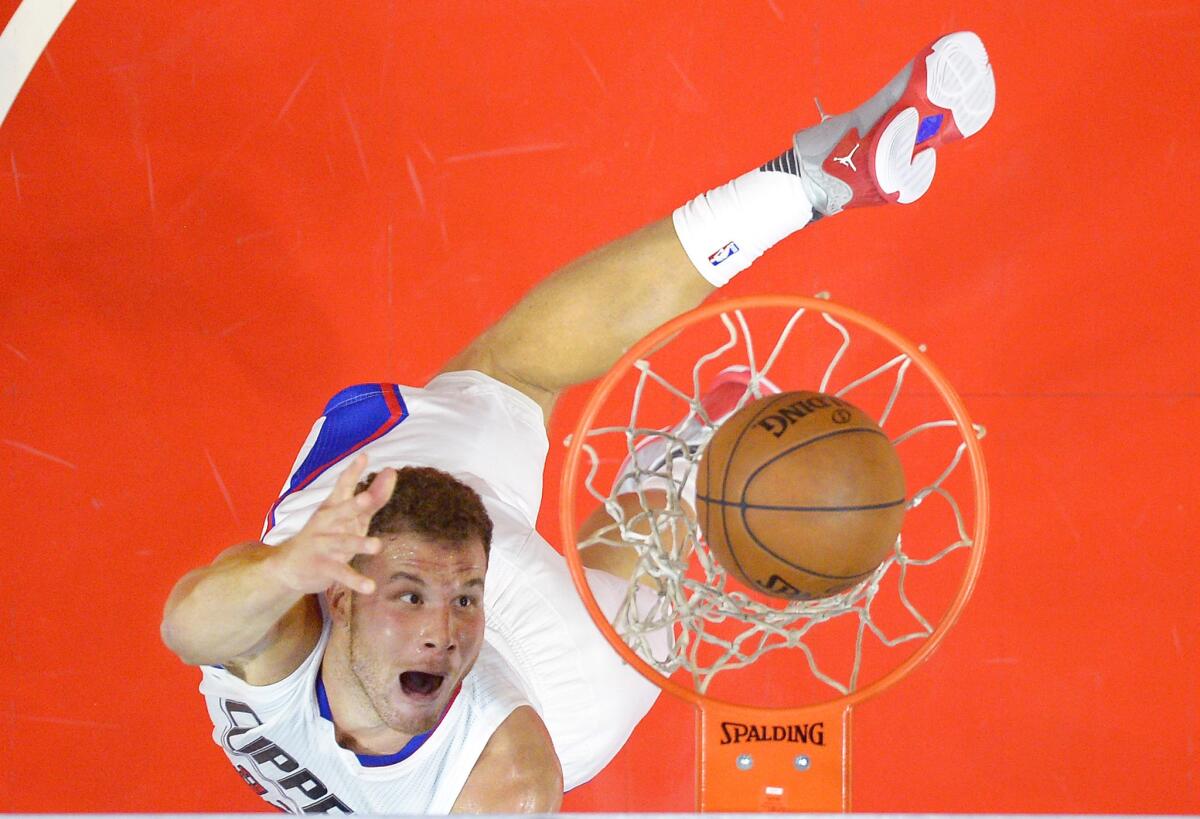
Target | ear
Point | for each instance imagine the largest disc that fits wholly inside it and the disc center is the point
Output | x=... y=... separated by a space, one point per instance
x=339 y=599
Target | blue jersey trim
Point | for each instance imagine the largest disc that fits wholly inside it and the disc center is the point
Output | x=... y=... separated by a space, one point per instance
x=368 y=760
x=354 y=417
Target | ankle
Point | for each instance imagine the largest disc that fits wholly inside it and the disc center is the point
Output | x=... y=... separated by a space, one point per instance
x=726 y=229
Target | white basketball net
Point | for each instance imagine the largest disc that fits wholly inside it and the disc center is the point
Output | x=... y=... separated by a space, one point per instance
x=680 y=613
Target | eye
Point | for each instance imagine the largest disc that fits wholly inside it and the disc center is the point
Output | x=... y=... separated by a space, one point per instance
x=466 y=601
x=411 y=598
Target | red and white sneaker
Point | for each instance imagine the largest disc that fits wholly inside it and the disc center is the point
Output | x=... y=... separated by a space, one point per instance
x=673 y=453
x=885 y=150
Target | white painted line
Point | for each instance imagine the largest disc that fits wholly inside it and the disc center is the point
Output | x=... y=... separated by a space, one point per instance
x=23 y=41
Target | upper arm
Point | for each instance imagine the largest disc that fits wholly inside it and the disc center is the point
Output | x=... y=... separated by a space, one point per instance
x=518 y=771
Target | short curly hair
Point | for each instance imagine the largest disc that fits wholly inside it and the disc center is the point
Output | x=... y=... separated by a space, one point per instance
x=432 y=504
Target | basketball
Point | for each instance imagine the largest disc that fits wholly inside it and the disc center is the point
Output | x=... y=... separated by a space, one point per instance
x=800 y=495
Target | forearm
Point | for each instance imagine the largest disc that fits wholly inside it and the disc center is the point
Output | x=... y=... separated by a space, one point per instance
x=226 y=610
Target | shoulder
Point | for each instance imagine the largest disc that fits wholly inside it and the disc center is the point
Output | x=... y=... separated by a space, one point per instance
x=518 y=771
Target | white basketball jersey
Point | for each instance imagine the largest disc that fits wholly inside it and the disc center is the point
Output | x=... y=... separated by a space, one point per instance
x=281 y=740
x=541 y=646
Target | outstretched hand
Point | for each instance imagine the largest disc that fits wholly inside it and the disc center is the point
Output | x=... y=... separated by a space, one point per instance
x=319 y=555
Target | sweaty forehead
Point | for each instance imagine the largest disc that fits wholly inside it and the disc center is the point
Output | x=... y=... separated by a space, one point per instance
x=418 y=556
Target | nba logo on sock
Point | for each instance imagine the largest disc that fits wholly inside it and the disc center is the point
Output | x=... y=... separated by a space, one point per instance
x=723 y=254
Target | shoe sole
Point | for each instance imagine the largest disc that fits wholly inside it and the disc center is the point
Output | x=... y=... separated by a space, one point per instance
x=950 y=96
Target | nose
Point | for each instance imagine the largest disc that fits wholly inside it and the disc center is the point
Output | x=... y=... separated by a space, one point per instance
x=437 y=630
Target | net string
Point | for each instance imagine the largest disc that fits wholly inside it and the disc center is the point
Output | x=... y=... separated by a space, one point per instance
x=679 y=612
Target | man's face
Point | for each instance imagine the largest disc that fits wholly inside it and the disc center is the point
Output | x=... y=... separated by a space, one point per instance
x=416 y=637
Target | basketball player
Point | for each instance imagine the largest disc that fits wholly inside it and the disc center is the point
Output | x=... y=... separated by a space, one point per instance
x=404 y=641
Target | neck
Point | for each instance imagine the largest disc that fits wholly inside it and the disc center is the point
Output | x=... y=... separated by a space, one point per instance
x=357 y=726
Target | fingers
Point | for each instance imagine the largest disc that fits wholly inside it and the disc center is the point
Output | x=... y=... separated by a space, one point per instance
x=378 y=493
x=343 y=507
x=343 y=489
x=311 y=562
x=375 y=496
x=348 y=577
x=346 y=547
x=340 y=551
x=320 y=553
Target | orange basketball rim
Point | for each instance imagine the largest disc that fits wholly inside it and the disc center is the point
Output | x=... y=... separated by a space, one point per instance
x=777 y=778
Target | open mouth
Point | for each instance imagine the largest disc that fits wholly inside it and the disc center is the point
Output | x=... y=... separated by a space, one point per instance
x=420 y=684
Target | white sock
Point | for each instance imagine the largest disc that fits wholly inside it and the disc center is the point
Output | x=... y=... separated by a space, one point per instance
x=726 y=229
